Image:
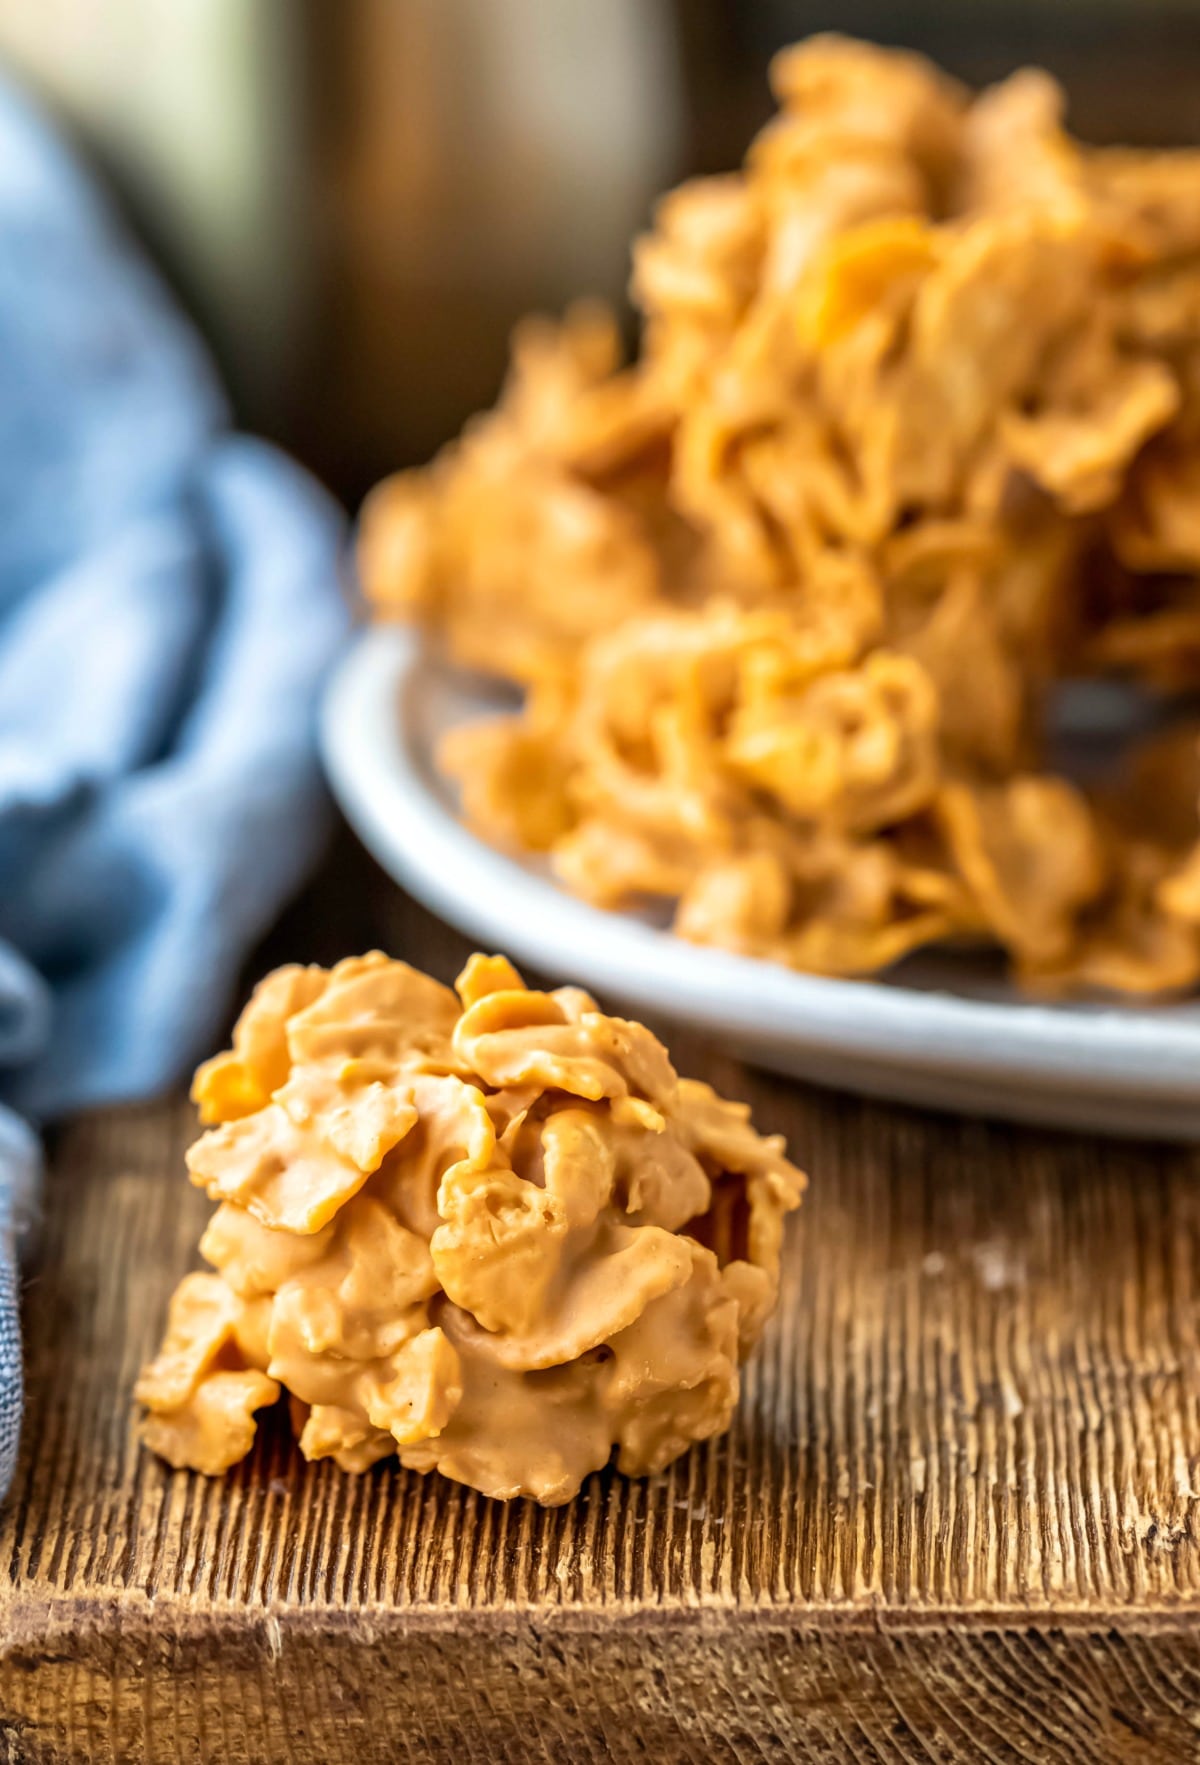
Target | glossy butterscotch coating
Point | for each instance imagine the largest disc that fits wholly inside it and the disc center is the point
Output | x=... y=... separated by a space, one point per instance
x=910 y=445
x=493 y=1233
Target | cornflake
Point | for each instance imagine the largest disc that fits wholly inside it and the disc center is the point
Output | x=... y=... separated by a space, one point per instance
x=913 y=437
x=492 y=1233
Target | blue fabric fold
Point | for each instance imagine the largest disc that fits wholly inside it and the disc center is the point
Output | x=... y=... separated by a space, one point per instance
x=169 y=599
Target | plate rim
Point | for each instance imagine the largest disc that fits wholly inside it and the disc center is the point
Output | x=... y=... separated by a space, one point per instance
x=369 y=742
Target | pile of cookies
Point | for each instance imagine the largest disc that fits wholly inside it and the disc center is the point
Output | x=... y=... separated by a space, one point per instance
x=912 y=441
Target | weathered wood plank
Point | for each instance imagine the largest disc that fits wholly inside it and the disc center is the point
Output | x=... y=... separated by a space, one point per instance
x=956 y=1518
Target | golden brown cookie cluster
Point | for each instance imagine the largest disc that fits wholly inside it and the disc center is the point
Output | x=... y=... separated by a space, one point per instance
x=493 y=1233
x=913 y=438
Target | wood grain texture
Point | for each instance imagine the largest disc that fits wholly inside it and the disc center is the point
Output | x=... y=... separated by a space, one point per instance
x=956 y=1518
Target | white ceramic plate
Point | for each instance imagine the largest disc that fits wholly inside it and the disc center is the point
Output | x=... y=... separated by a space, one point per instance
x=942 y=1030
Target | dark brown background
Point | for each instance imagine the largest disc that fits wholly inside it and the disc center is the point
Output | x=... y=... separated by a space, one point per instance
x=359 y=199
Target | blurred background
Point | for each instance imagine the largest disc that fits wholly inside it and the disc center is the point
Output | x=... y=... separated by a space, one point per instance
x=357 y=198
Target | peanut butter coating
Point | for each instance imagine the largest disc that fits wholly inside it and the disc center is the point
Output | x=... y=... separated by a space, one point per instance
x=493 y=1233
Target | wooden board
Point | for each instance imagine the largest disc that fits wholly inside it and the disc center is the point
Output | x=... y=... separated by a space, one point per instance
x=956 y=1519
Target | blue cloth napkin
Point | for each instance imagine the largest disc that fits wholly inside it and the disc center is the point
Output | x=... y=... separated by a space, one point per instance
x=169 y=598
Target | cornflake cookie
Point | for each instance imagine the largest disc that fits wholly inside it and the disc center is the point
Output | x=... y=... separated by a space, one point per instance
x=913 y=437
x=493 y=1233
